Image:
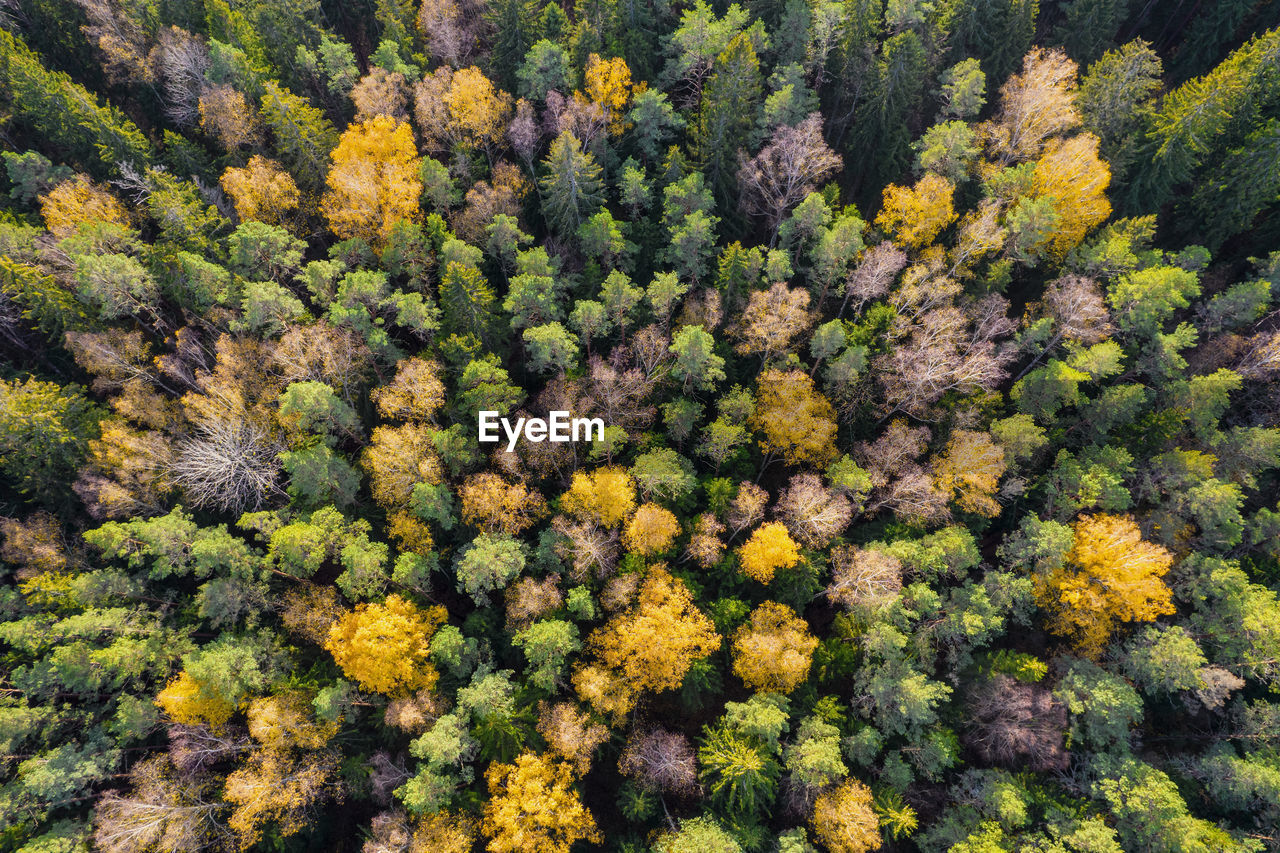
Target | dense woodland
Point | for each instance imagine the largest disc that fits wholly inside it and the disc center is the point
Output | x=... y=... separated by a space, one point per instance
x=938 y=348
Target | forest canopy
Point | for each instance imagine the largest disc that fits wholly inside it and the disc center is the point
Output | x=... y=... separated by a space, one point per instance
x=936 y=352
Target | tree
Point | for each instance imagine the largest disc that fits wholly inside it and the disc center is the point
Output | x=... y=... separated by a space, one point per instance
x=531 y=807
x=916 y=215
x=572 y=189
x=651 y=530
x=697 y=835
x=773 y=319
x=374 y=181
x=495 y=506
x=843 y=819
x=738 y=772
x=772 y=652
x=660 y=760
x=384 y=647
x=1072 y=175
x=864 y=577
x=696 y=364
x=786 y=170
x=415 y=394
x=489 y=563
x=812 y=513
x=970 y=471
x=770 y=548
x=653 y=643
x=605 y=495
x=547 y=645
x=726 y=115
x=1111 y=576
x=45 y=431
x=796 y=421
x=1035 y=105
x=608 y=85
x=72 y=202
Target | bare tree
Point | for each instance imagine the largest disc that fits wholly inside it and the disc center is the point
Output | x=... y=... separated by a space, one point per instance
x=785 y=171
x=661 y=761
x=163 y=811
x=230 y=467
x=1016 y=725
x=871 y=279
x=195 y=749
x=813 y=513
x=183 y=61
x=864 y=577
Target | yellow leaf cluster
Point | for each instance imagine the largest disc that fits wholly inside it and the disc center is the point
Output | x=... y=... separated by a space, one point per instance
x=795 y=420
x=652 y=644
x=606 y=495
x=374 y=180
x=477 y=109
x=1072 y=174
x=187 y=701
x=416 y=393
x=608 y=85
x=651 y=530
x=572 y=734
x=410 y=534
x=1111 y=576
x=285 y=721
x=261 y=191
x=916 y=215
x=770 y=548
x=492 y=504
x=397 y=459
x=277 y=786
x=607 y=692
x=844 y=820
x=75 y=201
x=384 y=647
x=970 y=471
x=226 y=116
x=772 y=652
x=532 y=808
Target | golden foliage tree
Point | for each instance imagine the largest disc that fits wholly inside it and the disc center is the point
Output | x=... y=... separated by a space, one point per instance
x=374 y=180
x=261 y=191
x=185 y=700
x=773 y=650
x=916 y=215
x=1034 y=105
x=652 y=644
x=1072 y=174
x=415 y=394
x=571 y=733
x=843 y=819
x=606 y=495
x=398 y=458
x=532 y=808
x=75 y=201
x=794 y=419
x=1110 y=576
x=494 y=505
x=280 y=787
x=770 y=548
x=608 y=85
x=970 y=471
x=651 y=530
x=226 y=116
x=384 y=647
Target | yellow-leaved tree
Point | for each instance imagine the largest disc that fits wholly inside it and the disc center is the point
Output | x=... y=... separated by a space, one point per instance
x=533 y=808
x=496 y=506
x=191 y=703
x=649 y=646
x=261 y=191
x=1076 y=179
x=383 y=647
x=651 y=530
x=608 y=85
x=773 y=650
x=970 y=470
x=770 y=548
x=916 y=215
x=398 y=458
x=415 y=394
x=374 y=181
x=844 y=820
x=606 y=495
x=794 y=419
x=75 y=201
x=1110 y=575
